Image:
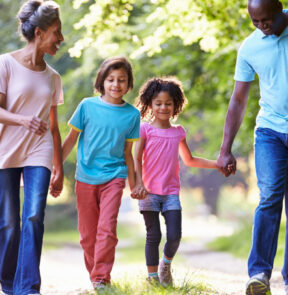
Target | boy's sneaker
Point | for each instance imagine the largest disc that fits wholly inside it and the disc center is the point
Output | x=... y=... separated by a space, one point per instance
x=98 y=285
x=165 y=275
x=258 y=285
x=286 y=289
x=153 y=280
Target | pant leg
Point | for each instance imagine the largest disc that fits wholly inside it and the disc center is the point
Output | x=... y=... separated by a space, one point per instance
x=271 y=159
x=88 y=215
x=153 y=237
x=285 y=264
x=36 y=184
x=9 y=225
x=110 y=195
x=173 y=221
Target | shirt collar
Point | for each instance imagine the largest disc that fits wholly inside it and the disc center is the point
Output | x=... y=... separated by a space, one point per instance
x=263 y=36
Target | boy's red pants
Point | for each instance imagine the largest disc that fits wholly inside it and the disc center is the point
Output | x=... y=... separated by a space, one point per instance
x=98 y=207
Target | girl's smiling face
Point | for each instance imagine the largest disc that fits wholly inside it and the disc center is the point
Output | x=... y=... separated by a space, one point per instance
x=115 y=86
x=163 y=106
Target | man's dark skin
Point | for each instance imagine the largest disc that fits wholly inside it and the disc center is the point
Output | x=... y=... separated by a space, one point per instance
x=267 y=16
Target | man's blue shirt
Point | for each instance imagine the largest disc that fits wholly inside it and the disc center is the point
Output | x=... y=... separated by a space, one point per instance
x=267 y=56
x=105 y=128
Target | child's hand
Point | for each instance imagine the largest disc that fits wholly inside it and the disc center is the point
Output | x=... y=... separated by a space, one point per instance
x=139 y=192
x=231 y=168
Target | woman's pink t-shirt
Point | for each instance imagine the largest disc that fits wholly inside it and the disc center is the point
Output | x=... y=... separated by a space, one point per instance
x=27 y=93
x=160 y=164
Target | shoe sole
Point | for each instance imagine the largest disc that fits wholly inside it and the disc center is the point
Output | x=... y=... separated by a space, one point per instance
x=257 y=288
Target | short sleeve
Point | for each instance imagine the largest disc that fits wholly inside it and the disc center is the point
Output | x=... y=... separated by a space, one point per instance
x=134 y=132
x=143 y=131
x=243 y=71
x=58 y=91
x=182 y=133
x=77 y=120
x=4 y=77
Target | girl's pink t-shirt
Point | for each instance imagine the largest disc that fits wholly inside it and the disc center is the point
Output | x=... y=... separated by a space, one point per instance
x=27 y=93
x=160 y=164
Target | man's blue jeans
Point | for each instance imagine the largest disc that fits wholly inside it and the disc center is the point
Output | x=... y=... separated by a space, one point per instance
x=20 y=250
x=271 y=161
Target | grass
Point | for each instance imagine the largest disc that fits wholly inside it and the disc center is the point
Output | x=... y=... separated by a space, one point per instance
x=57 y=239
x=138 y=288
x=239 y=243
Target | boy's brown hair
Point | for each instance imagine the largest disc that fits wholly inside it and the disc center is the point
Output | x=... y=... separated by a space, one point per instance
x=113 y=63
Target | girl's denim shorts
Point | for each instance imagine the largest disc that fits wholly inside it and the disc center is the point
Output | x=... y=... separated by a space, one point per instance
x=160 y=203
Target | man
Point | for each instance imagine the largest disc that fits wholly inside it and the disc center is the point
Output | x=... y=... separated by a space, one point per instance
x=264 y=52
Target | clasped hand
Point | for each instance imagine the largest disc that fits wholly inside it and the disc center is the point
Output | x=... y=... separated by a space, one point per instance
x=139 y=192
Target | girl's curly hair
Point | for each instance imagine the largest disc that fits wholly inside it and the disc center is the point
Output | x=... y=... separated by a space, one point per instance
x=153 y=87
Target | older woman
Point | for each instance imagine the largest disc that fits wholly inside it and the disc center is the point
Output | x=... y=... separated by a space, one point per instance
x=29 y=93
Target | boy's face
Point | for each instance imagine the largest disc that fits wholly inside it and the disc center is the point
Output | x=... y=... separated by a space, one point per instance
x=115 y=85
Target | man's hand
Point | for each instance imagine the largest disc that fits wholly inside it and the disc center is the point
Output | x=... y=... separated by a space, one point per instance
x=226 y=164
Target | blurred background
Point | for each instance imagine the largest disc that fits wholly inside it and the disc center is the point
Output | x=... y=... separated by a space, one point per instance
x=195 y=40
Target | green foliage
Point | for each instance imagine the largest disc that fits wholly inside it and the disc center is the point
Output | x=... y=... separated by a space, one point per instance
x=239 y=243
x=195 y=40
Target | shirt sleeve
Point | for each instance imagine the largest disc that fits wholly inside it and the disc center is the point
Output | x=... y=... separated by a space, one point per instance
x=134 y=132
x=182 y=132
x=243 y=71
x=58 y=91
x=3 y=76
x=143 y=131
x=77 y=120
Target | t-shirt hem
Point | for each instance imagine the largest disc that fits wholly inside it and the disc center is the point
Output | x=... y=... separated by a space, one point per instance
x=275 y=128
x=164 y=193
x=25 y=164
x=97 y=182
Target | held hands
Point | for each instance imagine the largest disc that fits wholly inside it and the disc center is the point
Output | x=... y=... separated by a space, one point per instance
x=226 y=164
x=56 y=183
x=35 y=125
x=139 y=192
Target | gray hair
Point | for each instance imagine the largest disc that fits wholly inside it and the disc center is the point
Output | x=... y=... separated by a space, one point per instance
x=37 y=13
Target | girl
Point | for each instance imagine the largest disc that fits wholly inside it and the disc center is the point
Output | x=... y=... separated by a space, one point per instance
x=29 y=137
x=108 y=126
x=157 y=170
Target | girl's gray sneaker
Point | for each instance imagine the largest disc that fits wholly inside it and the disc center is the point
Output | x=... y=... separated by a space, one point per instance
x=153 y=280
x=165 y=275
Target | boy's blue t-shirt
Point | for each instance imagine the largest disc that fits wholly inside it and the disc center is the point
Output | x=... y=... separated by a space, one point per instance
x=104 y=128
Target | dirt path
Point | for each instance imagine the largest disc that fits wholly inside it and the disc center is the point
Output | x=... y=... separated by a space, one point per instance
x=63 y=270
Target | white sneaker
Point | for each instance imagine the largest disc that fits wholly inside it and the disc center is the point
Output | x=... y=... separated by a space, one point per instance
x=165 y=275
